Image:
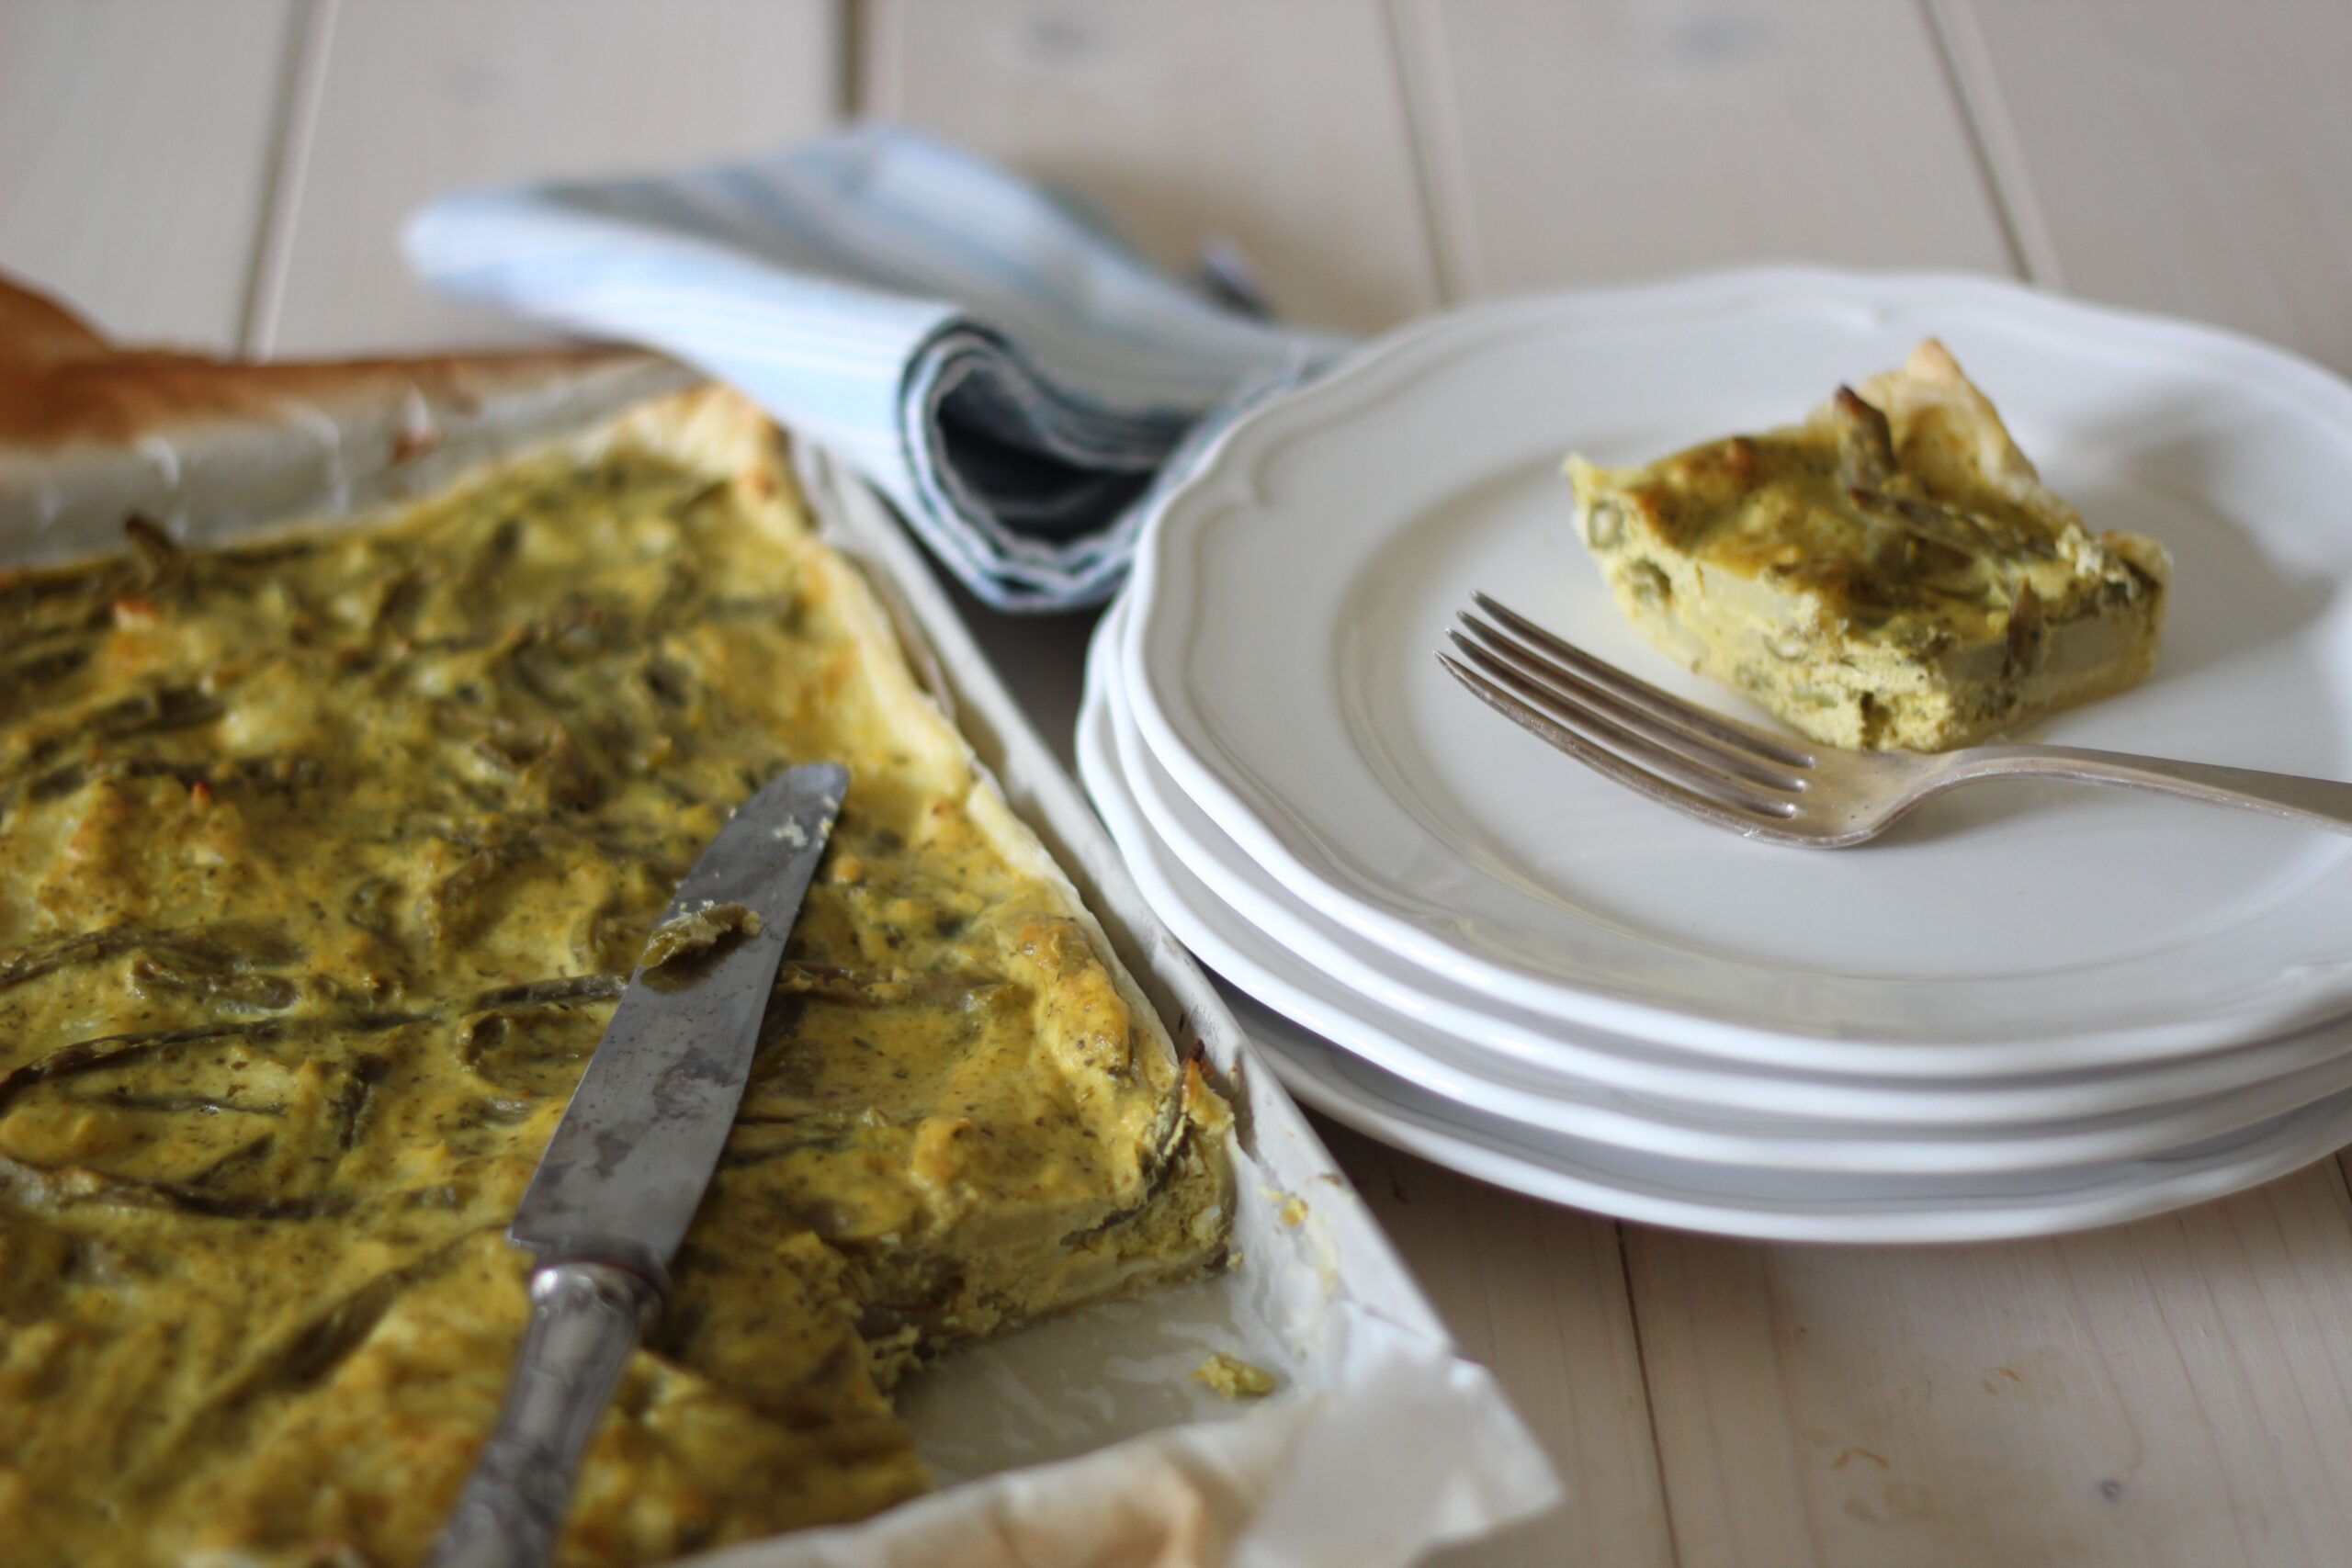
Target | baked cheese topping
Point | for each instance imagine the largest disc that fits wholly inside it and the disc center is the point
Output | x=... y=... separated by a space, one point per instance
x=1890 y=573
x=321 y=865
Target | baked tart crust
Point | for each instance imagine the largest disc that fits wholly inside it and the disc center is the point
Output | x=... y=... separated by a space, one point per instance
x=321 y=859
x=1892 y=572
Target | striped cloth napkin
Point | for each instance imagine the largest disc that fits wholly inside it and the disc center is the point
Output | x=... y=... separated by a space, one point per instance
x=1021 y=383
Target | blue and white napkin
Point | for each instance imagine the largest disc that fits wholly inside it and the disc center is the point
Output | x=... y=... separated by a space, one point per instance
x=1017 y=381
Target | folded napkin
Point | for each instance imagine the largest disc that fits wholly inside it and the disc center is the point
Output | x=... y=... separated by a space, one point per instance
x=1020 y=382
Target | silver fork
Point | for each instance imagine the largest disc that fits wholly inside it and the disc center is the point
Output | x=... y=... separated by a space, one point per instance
x=1788 y=791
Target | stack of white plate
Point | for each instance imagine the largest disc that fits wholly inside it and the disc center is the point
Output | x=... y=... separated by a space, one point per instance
x=2031 y=1008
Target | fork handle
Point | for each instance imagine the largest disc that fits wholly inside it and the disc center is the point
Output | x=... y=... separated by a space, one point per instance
x=2324 y=803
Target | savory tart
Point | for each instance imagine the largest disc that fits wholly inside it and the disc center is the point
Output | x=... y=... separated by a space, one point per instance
x=1890 y=573
x=321 y=862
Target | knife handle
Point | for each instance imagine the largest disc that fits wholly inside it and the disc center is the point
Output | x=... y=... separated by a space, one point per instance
x=585 y=1318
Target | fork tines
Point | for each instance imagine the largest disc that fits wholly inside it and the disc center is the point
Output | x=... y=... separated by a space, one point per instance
x=1714 y=767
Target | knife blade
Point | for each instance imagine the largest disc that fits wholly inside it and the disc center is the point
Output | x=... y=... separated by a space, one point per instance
x=629 y=1163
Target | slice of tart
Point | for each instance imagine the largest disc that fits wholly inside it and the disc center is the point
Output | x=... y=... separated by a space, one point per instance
x=1890 y=573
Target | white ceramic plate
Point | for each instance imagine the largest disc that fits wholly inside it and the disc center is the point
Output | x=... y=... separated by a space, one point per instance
x=1779 y=1206
x=1139 y=804
x=1571 y=1057
x=1134 y=800
x=1771 y=1205
x=1289 y=598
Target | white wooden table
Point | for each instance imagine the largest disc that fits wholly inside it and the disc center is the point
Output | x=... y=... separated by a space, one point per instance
x=2180 y=1391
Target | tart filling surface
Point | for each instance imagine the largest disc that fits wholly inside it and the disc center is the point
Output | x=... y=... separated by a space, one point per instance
x=1890 y=573
x=322 y=863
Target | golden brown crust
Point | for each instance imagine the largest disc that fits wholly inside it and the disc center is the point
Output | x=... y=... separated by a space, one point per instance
x=91 y=433
x=36 y=329
x=61 y=382
x=1946 y=428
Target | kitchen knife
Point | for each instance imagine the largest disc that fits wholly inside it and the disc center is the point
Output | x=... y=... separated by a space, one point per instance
x=626 y=1167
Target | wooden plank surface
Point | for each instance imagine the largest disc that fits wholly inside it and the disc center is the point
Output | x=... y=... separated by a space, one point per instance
x=400 y=100
x=2175 y=156
x=1187 y=123
x=2172 y=1392
x=135 y=146
x=1615 y=139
